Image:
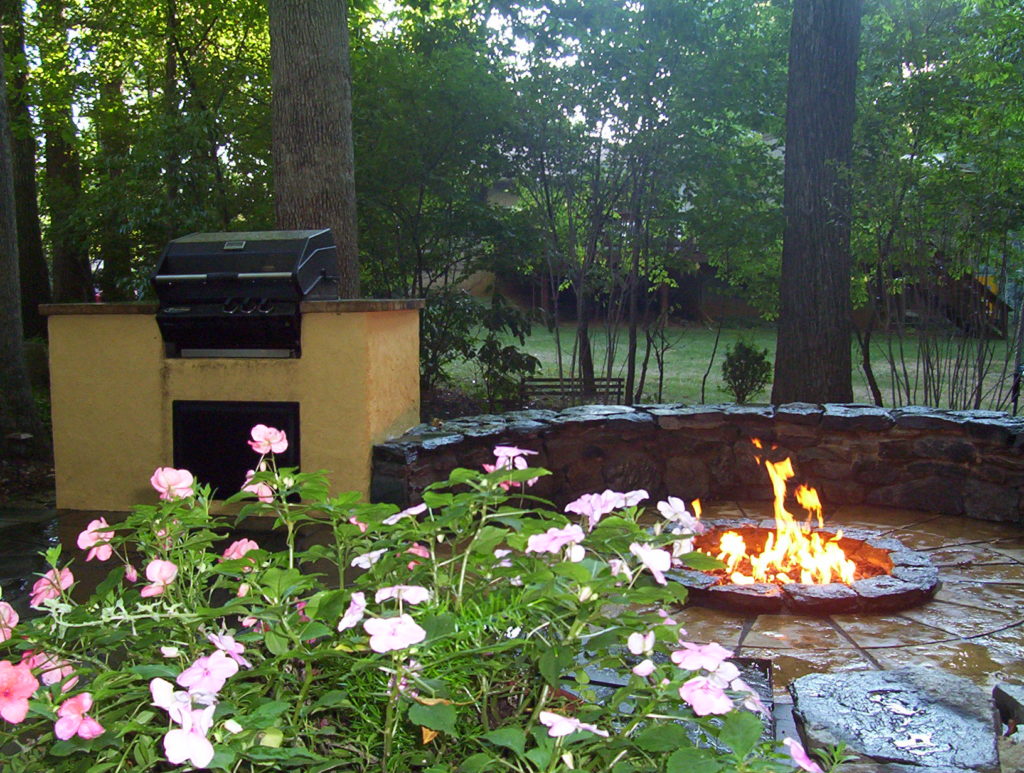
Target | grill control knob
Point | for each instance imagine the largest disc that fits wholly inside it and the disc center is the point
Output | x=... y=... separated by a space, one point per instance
x=248 y=306
x=265 y=306
x=230 y=306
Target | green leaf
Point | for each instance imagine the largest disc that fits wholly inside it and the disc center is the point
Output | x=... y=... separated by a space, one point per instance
x=277 y=643
x=552 y=664
x=478 y=763
x=513 y=738
x=333 y=699
x=437 y=626
x=701 y=561
x=539 y=756
x=280 y=583
x=314 y=630
x=692 y=760
x=327 y=606
x=439 y=717
x=573 y=571
x=152 y=671
x=662 y=738
x=265 y=716
x=740 y=732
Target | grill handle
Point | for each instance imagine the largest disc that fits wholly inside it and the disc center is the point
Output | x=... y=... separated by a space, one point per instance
x=220 y=276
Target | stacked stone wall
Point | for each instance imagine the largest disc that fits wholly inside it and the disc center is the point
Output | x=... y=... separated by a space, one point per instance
x=967 y=463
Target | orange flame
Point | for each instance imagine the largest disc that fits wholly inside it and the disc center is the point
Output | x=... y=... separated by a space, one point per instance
x=792 y=553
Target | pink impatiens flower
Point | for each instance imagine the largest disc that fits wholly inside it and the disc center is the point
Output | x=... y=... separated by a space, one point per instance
x=73 y=719
x=189 y=742
x=262 y=490
x=266 y=439
x=366 y=560
x=559 y=726
x=641 y=643
x=393 y=633
x=17 y=685
x=354 y=613
x=800 y=757
x=644 y=668
x=171 y=483
x=96 y=538
x=237 y=550
x=705 y=697
x=694 y=657
x=409 y=512
x=50 y=585
x=160 y=573
x=655 y=560
x=411 y=594
x=227 y=644
x=52 y=670
x=674 y=510
x=8 y=619
x=554 y=539
x=208 y=674
x=510 y=458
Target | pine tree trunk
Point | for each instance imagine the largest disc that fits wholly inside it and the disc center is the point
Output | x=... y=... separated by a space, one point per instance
x=314 y=179
x=812 y=359
x=20 y=427
x=34 y=277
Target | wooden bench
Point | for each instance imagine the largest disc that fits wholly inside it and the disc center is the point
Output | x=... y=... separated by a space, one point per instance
x=571 y=391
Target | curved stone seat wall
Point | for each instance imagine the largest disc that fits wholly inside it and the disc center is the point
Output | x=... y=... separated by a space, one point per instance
x=966 y=463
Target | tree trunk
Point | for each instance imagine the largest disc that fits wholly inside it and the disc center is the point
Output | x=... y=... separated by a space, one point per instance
x=314 y=182
x=812 y=359
x=113 y=244
x=20 y=427
x=69 y=250
x=34 y=277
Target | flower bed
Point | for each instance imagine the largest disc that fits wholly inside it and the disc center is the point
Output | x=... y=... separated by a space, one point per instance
x=435 y=638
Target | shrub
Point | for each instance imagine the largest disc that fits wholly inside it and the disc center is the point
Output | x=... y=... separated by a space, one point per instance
x=447 y=636
x=746 y=370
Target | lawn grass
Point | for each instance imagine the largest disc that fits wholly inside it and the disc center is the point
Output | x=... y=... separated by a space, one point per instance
x=692 y=348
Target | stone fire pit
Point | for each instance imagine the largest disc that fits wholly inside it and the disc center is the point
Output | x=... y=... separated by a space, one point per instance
x=902 y=578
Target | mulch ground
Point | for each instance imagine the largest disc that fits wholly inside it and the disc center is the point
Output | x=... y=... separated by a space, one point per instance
x=26 y=483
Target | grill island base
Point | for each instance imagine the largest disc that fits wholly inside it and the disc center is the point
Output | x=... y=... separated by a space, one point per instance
x=113 y=389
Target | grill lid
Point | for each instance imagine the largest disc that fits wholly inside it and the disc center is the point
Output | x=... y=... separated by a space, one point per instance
x=275 y=265
x=238 y=294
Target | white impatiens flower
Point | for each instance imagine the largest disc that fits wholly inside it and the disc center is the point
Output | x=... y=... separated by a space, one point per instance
x=366 y=560
x=655 y=560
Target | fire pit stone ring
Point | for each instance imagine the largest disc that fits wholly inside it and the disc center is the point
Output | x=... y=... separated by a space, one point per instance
x=908 y=579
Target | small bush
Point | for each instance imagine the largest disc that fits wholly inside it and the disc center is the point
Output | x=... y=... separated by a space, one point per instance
x=746 y=370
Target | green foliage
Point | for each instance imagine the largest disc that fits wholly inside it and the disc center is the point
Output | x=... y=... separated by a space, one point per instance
x=487 y=598
x=455 y=327
x=746 y=370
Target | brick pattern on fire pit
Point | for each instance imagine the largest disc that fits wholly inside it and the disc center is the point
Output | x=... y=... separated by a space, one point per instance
x=965 y=463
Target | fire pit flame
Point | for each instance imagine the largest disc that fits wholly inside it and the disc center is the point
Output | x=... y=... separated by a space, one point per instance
x=792 y=553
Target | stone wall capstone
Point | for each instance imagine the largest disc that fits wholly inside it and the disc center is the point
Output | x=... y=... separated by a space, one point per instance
x=967 y=463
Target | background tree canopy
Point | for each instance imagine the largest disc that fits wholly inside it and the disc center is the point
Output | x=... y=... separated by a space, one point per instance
x=591 y=149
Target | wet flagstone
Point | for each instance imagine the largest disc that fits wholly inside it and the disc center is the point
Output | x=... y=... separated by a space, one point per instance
x=793 y=632
x=887 y=630
x=974 y=627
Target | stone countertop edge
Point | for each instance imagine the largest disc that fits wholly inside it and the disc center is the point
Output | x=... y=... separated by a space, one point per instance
x=306 y=307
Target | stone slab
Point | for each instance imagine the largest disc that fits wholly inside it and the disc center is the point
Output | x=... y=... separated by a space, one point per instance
x=911 y=716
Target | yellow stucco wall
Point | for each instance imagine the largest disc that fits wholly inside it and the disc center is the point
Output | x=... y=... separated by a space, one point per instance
x=357 y=383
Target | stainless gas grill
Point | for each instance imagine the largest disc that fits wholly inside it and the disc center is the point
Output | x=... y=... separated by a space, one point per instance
x=239 y=294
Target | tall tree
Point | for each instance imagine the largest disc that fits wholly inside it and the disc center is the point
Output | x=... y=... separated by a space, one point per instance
x=812 y=359
x=35 y=280
x=69 y=252
x=18 y=416
x=314 y=174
